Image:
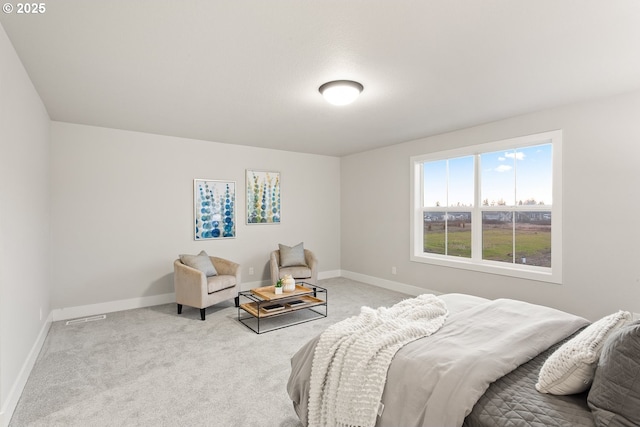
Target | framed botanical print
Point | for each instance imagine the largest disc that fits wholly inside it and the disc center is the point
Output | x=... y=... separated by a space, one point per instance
x=263 y=197
x=214 y=210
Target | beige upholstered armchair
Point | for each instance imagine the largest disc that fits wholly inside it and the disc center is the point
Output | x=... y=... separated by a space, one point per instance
x=195 y=289
x=306 y=273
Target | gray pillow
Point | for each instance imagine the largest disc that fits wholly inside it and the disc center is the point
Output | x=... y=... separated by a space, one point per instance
x=200 y=262
x=292 y=256
x=614 y=397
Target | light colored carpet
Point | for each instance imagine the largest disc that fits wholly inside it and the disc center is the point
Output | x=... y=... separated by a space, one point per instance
x=153 y=367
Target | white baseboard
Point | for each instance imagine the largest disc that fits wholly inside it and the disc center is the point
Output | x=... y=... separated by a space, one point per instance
x=6 y=412
x=112 y=306
x=329 y=274
x=128 y=304
x=388 y=284
x=370 y=280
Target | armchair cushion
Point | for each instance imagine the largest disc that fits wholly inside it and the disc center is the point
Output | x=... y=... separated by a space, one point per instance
x=297 y=272
x=200 y=262
x=218 y=283
x=292 y=256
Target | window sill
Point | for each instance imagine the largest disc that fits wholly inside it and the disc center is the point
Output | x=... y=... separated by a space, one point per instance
x=541 y=274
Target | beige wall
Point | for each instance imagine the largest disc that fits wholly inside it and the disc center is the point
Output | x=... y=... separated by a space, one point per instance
x=601 y=175
x=123 y=209
x=24 y=225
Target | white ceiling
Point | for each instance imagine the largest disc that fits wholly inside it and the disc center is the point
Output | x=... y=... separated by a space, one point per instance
x=247 y=71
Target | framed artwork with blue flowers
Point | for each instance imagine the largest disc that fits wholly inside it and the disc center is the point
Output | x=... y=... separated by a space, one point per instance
x=214 y=210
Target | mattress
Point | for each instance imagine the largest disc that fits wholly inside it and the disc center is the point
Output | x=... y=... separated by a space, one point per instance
x=513 y=401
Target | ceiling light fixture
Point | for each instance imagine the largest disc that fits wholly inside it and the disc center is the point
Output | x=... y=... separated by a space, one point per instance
x=341 y=92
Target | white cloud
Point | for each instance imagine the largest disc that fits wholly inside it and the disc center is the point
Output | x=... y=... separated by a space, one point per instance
x=503 y=168
x=502 y=159
x=519 y=155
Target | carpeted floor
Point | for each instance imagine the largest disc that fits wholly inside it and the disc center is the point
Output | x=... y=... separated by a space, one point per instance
x=152 y=367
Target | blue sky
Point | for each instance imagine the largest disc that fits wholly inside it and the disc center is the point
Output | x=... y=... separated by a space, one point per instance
x=499 y=170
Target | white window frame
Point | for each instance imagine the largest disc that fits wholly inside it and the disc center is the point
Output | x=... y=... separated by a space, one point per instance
x=476 y=263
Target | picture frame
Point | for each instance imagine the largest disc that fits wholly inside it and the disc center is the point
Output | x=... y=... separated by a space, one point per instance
x=214 y=209
x=263 y=197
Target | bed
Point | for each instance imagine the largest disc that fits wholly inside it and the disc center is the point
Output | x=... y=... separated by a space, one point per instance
x=478 y=369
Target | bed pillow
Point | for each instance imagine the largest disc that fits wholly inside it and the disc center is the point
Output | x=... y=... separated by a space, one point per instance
x=571 y=368
x=292 y=256
x=614 y=397
x=200 y=262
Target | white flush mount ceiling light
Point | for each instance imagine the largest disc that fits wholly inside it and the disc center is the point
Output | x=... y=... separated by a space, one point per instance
x=341 y=92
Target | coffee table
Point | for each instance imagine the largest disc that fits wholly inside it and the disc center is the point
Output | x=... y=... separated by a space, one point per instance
x=264 y=308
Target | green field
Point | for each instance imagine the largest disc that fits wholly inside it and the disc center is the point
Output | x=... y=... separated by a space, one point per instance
x=533 y=242
x=459 y=239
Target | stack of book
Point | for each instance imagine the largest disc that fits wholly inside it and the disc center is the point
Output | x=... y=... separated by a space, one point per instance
x=295 y=303
x=273 y=307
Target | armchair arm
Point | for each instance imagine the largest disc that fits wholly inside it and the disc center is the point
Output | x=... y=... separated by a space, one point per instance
x=274 y=264
x=312 y=263
x=226 y=267
x=190 y=284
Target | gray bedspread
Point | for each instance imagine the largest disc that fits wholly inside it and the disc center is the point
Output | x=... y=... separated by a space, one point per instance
x=513 y=401
x=436 y=381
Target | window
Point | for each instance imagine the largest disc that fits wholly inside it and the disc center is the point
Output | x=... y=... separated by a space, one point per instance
x=494 y=207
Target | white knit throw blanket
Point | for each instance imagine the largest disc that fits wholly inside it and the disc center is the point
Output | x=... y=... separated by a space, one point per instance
x=352 y=357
